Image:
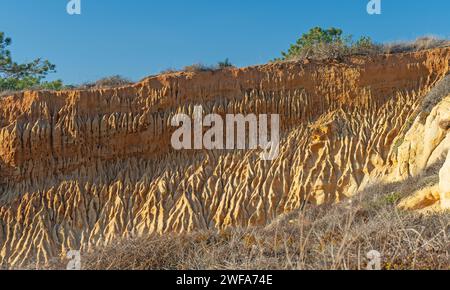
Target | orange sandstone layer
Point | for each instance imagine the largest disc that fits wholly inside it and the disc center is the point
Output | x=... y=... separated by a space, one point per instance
x=82 y=168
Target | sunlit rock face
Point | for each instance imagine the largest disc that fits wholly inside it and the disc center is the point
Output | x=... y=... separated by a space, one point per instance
x=444 y=184
x=83 y=168
x=426 y=145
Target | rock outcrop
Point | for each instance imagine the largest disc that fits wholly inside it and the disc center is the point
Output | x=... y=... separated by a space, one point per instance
x=444 y=184
x=427 y=144
x=82 y=168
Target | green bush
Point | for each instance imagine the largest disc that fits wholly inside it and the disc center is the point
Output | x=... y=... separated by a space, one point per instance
x=332 y=43
x=321 y=43
x=225 y=64
x=16 y=77
x=365 y=46
x=12 y=84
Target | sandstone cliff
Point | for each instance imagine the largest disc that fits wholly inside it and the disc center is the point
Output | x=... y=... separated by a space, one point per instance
x=82 y=168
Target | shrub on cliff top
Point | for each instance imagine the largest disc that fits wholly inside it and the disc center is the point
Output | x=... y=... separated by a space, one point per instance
x=107 y=82
x=199 y=67
x=332 y=43
x=15 y=76
x=112 y=81
x=225 y=64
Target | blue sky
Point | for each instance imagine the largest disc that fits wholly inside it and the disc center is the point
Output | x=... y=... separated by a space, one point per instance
x=137 y=38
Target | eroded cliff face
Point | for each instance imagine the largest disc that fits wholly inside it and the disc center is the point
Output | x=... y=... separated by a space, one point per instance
x=426 y=145
x=82 y=168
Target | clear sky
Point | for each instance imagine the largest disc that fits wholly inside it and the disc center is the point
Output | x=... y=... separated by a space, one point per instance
x=136 y=38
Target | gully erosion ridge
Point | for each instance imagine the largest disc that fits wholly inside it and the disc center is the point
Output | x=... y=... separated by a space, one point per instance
x=80 y=169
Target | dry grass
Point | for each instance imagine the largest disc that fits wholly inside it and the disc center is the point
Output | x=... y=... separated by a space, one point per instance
x=327 y=237
x=421 y=43
x=199 y=67
x=169 y=71
x=8 y=93
x=107 y=82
